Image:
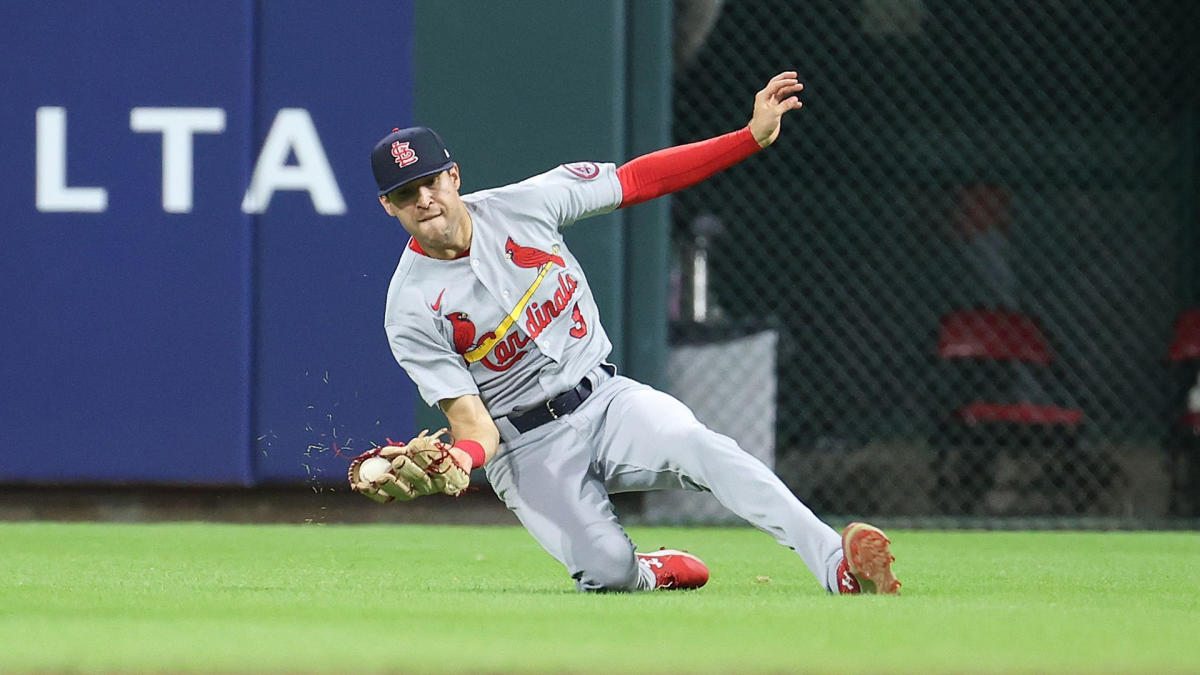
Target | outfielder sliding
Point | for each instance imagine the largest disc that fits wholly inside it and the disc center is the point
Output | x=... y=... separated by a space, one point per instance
x=493 y=319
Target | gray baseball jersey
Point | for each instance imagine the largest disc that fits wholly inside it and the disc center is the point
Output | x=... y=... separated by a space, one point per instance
x=513 y=321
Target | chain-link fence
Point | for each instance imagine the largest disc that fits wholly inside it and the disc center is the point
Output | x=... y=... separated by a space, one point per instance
x=973 y=241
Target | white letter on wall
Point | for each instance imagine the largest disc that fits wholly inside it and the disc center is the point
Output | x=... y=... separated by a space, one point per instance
x=293 y=132
x=52 y=193
x=177 y=125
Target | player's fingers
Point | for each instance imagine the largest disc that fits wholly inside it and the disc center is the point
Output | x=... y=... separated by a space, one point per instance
x=785 y=75
x=780 y=90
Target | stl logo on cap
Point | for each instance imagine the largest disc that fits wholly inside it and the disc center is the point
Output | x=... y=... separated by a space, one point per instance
x=404 y=155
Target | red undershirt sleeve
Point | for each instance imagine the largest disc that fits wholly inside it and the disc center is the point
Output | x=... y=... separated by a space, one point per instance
x=672 y=169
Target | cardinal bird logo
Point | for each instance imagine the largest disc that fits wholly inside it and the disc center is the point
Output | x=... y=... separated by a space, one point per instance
x=500 y=355
x=584 y=170
x=464 y=331
x=527 y=257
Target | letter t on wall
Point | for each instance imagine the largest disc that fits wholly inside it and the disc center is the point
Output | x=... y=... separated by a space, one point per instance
x=177 y=126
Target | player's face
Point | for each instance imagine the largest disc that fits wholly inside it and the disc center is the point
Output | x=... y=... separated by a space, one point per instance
x=432 y=211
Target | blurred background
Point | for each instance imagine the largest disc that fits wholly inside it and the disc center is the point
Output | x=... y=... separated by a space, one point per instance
x=959 y=291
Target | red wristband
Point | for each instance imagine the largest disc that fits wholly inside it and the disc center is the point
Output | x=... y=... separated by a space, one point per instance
x=474 y=449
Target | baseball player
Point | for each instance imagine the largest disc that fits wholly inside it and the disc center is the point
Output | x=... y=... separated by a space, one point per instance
x=492 y=317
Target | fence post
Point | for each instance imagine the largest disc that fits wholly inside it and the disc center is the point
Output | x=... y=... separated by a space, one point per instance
x=648 y=128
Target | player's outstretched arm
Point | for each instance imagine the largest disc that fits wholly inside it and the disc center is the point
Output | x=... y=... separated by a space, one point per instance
x=672 y=169
x=771 y=104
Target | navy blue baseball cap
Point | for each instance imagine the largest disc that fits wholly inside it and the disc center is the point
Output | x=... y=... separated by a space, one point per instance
x=406 y=155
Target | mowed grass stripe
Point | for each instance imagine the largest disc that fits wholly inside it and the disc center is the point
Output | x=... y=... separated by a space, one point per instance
x=305 y=598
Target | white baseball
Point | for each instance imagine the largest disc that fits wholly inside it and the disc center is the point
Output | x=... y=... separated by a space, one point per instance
x=372 y=468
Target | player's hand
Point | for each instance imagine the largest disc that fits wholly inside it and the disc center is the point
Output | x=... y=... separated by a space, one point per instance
x=770 y=104
x=425 y=465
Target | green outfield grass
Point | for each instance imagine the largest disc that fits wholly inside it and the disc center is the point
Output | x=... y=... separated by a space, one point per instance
x=309 y=598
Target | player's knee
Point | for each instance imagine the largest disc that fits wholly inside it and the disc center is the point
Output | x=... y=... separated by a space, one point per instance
x=608 y=568
x=710 y=454
x=698 y=437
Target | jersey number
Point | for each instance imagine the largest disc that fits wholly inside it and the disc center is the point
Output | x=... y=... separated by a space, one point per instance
x=579 y=328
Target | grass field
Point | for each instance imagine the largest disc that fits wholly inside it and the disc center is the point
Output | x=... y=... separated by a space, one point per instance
x=238 y=598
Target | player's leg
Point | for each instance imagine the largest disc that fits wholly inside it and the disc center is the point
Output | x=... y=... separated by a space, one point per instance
x=651 y=440
x=548 y=483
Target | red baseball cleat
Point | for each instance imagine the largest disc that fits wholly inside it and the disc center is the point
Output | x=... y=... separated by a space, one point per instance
x=846 y=583
x=675 y=569
x=867 y=563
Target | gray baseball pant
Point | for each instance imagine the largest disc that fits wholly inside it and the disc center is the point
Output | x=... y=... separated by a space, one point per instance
x=628 y=437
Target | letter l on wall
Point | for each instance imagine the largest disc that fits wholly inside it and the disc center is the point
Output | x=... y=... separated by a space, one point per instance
x=52 y=192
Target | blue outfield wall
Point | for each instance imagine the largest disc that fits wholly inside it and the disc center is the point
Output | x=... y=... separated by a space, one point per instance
x=193 y=263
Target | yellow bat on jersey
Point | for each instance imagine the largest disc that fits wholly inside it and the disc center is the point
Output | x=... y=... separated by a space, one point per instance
x=485 y=346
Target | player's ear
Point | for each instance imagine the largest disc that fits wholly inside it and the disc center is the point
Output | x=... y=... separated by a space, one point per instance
x=387 y=206
x=454 y=175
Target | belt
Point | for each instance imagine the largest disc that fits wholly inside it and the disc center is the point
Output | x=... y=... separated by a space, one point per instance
x=563 y=404
x=548 y=411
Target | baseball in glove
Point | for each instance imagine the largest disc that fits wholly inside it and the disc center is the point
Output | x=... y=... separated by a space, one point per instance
x=423 y=466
